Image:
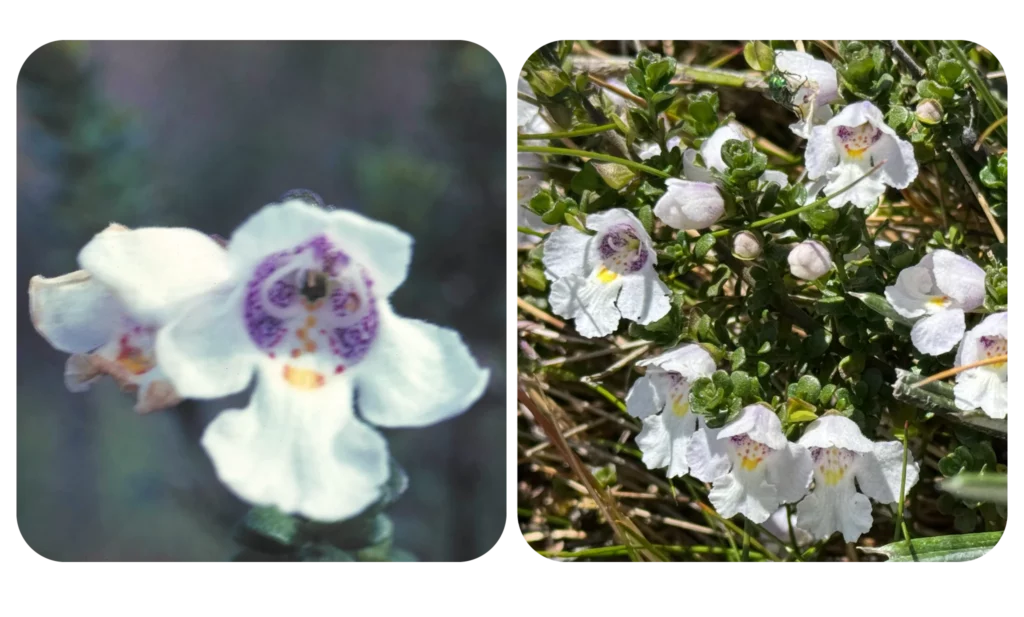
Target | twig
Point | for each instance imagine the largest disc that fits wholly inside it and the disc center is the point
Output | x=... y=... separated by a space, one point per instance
x=960 y=369
x=978 y=195
x=526 y=307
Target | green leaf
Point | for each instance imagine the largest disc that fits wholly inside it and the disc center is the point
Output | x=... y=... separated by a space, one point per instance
x=759 y=56
x=703 y=245
x=614 y=175
x=605 y=476
x=797 y=412
x=881 y=306
x=808 y=388
x=989 y=487
x=963 y=547
x=267 y=529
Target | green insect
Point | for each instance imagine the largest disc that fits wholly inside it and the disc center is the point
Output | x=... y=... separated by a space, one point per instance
x=783 y=87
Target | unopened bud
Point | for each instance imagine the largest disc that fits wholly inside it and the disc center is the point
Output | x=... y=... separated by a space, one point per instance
x=809 y=260
x=746 y=245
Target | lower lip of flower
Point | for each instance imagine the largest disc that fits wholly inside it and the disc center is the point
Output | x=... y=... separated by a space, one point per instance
x=605 y=275
x=832 y=463
x=857 y=139
x=750 y=453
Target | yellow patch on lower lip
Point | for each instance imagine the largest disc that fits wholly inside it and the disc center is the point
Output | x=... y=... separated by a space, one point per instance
x=303 y=378
x=856 y=153
x=137 y=364
x=939 y=301
x=606 y=276
x=681 y=408
x=750 y=464
x=833 y=476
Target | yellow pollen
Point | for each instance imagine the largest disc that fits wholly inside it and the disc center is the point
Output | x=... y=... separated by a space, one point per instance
x=750 y=464
x=303 y=378
x=605 y=275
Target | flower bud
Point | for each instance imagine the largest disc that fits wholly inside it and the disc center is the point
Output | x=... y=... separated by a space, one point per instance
x=929 y=111
x=809 y=260
x=746 y=245
x=690 y=205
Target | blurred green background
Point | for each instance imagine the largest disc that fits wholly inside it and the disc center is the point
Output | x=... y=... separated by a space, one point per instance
x=202 y=134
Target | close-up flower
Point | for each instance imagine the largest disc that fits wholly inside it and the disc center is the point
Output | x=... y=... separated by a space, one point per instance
x=753 y=468
x=852 y=143
x=842 y=454
x=984 y=387
x=599 y=279
x=80 y=315
x=299 y=299
x=696 y=201
x=809 y=260
x=661 y=399
x=937 y=293
x=814 y=86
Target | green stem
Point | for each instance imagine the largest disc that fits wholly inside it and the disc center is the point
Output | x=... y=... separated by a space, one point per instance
x=713 y=77
x=611 y=398
x=785 y=215
x=595 y=155
x=792 y=533
x=593 y=130
x=903 y=490
x=530 y=232
x=979 y=84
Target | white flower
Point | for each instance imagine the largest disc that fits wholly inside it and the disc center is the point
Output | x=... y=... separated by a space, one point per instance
x=696 y=202
x=983 y=387
x=816 y=87
x=852 y=143
x=662 y=399
x=589 y=272
x=650 y=149
x=752 y=467
x=746 y=245
x=841 y=453
x=528 y=182
x=937 y=292
x=809 y=260
x=78 y=314
x=300 y=299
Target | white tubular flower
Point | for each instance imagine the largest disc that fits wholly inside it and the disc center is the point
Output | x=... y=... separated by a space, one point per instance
x=809 y=260
x=696 y=202
x=589 y=272
x=79 y=314
x=816 y=87
x=752 y=467
x=852 y=143
x=299 y=298
x=841 y=453
x=983 y=387
x=662 y=399
x=937 y=292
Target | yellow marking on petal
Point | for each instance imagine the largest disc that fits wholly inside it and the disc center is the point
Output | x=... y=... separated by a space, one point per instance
x=310 y=321
x=856 y=153
x=303 y=378
x=833 y=476
x=137 y=364
x=680 y=408
x=939 y=300
x=750 y=464
x=606 y=276
x=310 y=346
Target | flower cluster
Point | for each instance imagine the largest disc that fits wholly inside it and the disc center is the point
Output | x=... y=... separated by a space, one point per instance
x=299 y=299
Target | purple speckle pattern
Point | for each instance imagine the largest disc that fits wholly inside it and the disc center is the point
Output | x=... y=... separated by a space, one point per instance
x=348 y=316
x=264 y=329
x=622 y=250
x=844 y=132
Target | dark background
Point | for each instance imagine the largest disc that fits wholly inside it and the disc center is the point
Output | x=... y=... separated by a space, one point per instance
x=202 y=134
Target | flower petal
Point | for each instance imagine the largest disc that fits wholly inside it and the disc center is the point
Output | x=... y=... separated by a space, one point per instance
x=711 y=149
x=959 y=278
x=694 y=172
x=384 y=250
x=880 y=472
x=981 y=389
x=644 y=298
x=707 y=455
x=938 y=333
x=821 y=74
x=744 y=493
x=971 y=348
x=156 y=271
x=821 y=154
x=836 y=431
x=75 y=313
x=900 y=167
x=206 y=351
x=863 y=195
x=664 y=439
x=790 y=470
x=589 y=301
x=691 y=361
x=828 y=509
x=689 y=205
x=760 y=424
x=568 y=252
x=912 y=291
x=772 y=175
x=642 y=400
x=302 y=451
x=417 y=374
